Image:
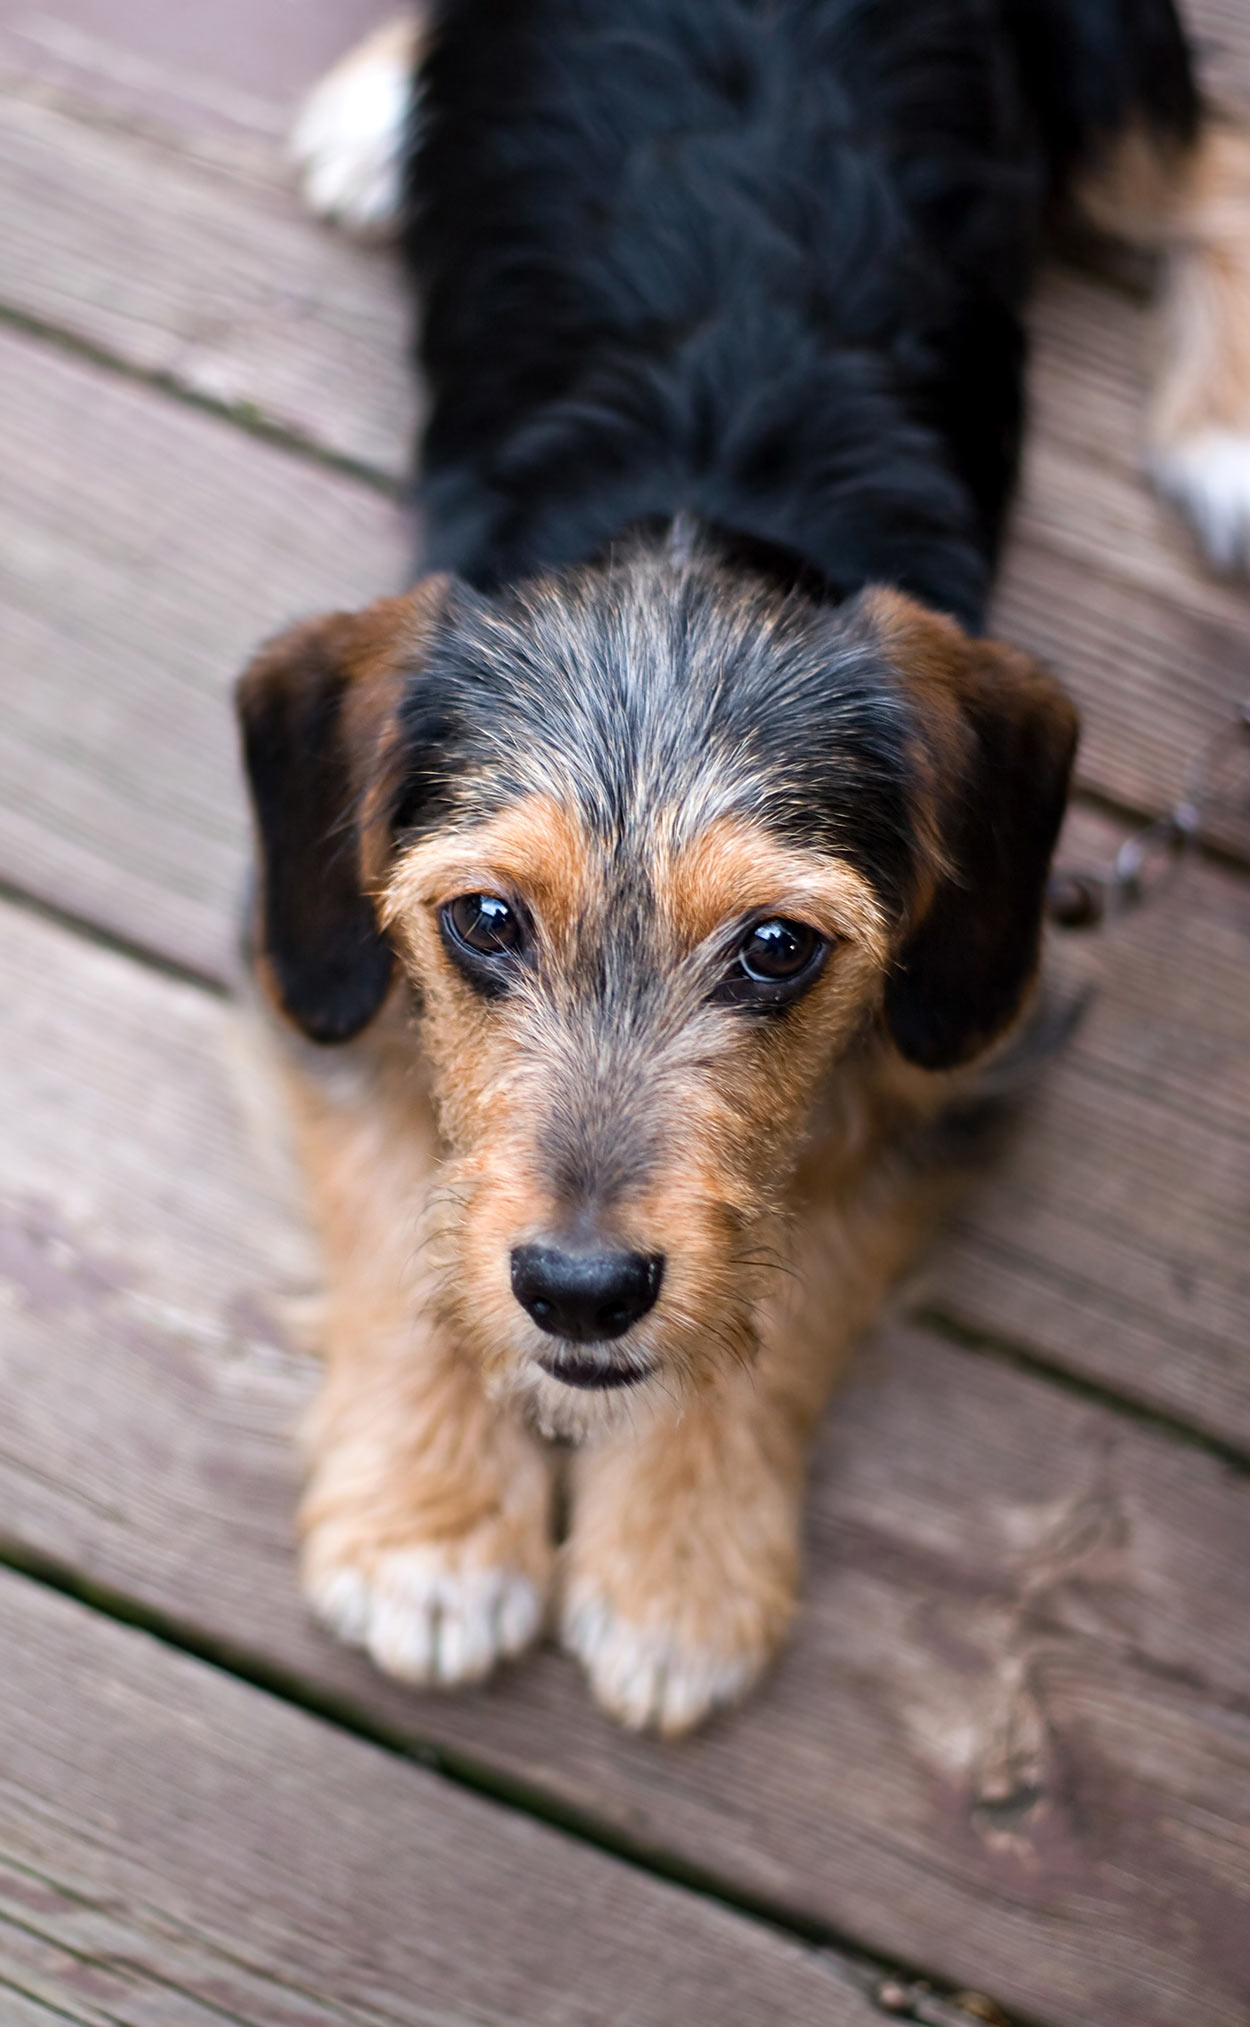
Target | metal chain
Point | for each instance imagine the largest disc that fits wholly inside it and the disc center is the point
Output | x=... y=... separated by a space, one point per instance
x=1084 y=897
x=915 y=2000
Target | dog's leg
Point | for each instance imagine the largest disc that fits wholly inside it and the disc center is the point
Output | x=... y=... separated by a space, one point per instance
x=683 y=1558
x=682 y=1561
x=426 y=1524
x=1193 y=206
x=352 y=132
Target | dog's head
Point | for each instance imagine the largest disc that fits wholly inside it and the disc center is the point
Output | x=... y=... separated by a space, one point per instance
x=655 y=846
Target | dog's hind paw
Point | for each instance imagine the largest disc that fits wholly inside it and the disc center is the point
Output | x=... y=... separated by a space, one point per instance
x=428 y=1615
x=650 y=1679
x=351 y=134
x=1207 y=475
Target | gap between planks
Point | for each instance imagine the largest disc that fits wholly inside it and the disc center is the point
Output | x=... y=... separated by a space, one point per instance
x=1025 y=1621
x=865 y=1973
x=1039 y=617
x=121 y=805
x=170 y=1837
x=240 y=302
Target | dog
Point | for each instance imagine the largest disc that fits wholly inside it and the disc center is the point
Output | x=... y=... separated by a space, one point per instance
x=639 y=894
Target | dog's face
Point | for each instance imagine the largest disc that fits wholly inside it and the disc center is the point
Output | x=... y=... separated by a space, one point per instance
x=656 y=847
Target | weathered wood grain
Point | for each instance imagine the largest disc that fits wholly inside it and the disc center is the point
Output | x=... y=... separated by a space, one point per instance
x=144 y=551
x=1157 y=688
x=218 y=283
x=176 y=1847
x=22 y=2011
x=1009 y=1740
x=135 y=576
x=1221 y=31
x=226 y=75
x=1111 y=1233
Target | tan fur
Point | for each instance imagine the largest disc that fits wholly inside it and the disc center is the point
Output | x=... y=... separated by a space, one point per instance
x=732 y=868
x=940 y=667
x=1207 y=304
x=406 y=1452
x=1135 y=189
x=686 y=1501
x=534 y=850
x=776 y=1184
x=729 y=1138
x=679 y=1575
x=1193 y=208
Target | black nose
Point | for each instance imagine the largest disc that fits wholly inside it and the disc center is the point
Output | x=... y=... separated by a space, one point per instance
x=585 y=1297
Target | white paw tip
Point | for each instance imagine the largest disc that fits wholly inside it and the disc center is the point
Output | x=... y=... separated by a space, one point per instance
x=1207 y=475
x=340 y=1599
x=653 y=1680
x=349 y=139
x=424 y=1620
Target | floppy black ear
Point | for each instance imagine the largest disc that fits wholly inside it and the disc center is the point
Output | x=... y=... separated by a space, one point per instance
x=996 y=739
x=318 y=711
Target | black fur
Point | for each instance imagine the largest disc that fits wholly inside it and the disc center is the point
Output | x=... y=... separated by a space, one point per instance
x=656 y=683
x=330 y=963
x=961 y=974
x=761 y=261
x=722 y=307
x=665 y=688
x=1094 y=67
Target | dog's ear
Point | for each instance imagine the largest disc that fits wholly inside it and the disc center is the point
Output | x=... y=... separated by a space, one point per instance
x=319 y=708
x=994 y=741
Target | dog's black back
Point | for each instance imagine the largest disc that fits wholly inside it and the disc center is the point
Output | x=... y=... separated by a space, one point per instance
x=759 y=261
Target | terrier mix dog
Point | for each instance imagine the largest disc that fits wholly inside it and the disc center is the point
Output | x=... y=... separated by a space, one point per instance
x=634 y=891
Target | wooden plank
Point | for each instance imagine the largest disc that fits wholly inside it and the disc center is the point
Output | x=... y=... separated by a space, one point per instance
x=230 y=73
x=232 y=294
x=216 y=281
x=144 y=550
x=240 y=72
x=124 y=620
x=120 y=802
x=22 y=2011
x=1009 y=1740
x=1157 y=688
x=178 y=1848
x=1104 y=581
x=1221 y=31
x=1110 y=1235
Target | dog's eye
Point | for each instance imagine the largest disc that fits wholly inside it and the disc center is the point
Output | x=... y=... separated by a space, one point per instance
x=482 y=925
x=774 y=962
x=774 y=951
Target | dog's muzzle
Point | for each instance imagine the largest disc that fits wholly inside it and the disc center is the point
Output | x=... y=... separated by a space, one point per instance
x=586 y=1298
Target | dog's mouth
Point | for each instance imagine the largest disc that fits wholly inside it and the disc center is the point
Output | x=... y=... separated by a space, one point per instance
x=593 y=1375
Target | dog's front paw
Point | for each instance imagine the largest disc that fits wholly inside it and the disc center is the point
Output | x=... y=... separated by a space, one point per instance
x=654 y=1677
x=1207 y=475
x=431 y=1614
x=680 y=1569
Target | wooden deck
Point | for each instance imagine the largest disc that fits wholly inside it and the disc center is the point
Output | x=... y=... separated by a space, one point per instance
x=1003 y=1771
